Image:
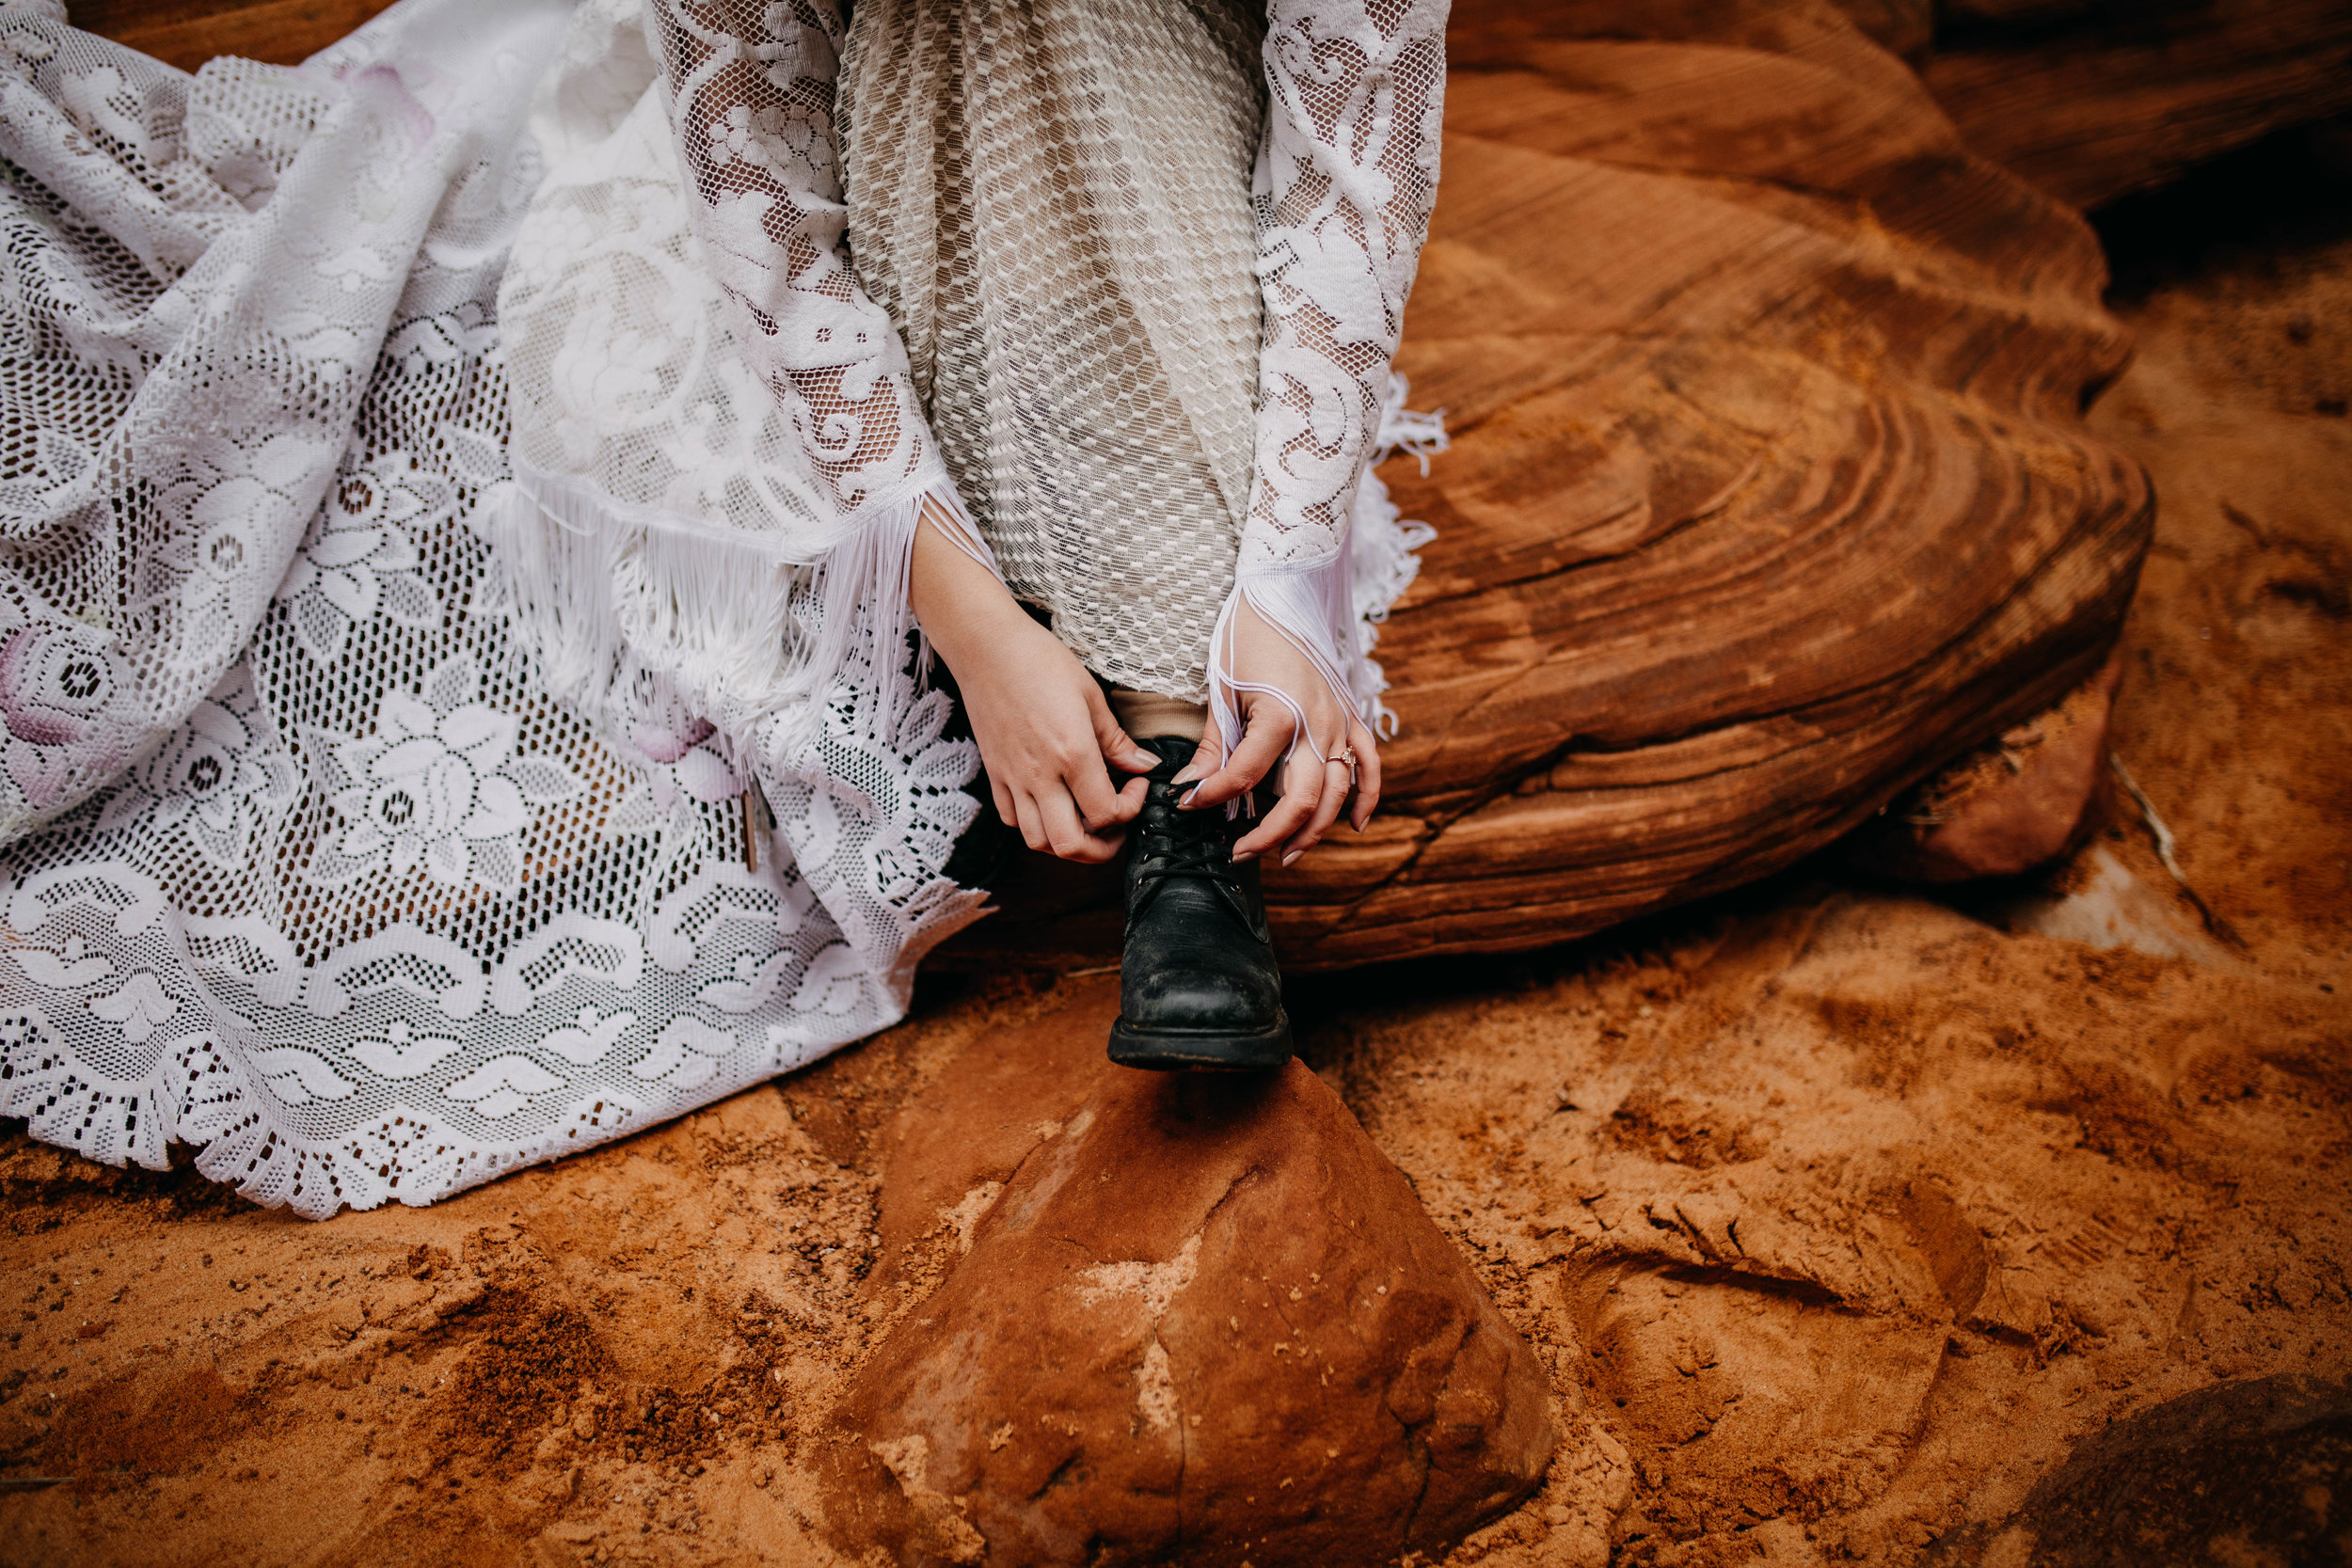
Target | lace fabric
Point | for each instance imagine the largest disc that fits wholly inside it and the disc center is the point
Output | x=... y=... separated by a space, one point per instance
x=1345 y=182
x=161 y=453
x=307 y=865
x=1344 y=185
x=718 y=456
x=687 y=335
x=1151 y=279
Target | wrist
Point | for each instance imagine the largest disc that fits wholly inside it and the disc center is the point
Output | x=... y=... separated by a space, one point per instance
x=962 y=605
x=981 y=619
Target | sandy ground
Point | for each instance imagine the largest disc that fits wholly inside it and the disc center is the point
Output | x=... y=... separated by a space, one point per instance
x=1853 y=1211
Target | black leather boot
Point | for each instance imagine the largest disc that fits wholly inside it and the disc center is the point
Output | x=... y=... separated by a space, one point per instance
x=1197 y=987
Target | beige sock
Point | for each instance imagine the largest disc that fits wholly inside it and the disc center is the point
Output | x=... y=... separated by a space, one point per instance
x=1145 y=714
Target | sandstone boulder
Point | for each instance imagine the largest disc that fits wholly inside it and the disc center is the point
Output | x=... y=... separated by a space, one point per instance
x=1769 y=494
x=1145 y=1317
x=2012 y=806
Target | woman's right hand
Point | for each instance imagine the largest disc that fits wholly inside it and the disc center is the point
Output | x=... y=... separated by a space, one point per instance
x=1045 y=733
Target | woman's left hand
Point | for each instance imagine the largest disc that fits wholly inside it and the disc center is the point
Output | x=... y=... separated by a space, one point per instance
x=1316 y=779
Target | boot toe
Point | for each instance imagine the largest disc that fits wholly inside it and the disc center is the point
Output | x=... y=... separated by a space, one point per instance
x=1199 y=1000
x=1181 y=1018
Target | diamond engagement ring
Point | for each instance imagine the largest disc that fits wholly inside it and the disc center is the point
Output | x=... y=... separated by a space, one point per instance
x=1345 y=754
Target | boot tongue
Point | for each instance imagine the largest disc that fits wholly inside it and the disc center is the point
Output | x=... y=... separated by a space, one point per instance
x=1173 y=750
x=1163 y=793
x=1164 y=819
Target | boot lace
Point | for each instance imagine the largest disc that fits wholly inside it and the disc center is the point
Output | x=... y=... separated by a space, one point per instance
x=1176 y=843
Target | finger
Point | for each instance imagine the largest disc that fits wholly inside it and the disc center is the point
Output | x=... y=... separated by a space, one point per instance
x=1064 y=832
x=1099 y=844
x=1335 y=787
x=1208 y=755
x=1125 y=804
x=1089 y=784
x=1095 y=849
x=1118 y=747
x=1367 y=774
x=1262 y=745
x=1032 y=824
x=1302 y=790
x=1007 y=812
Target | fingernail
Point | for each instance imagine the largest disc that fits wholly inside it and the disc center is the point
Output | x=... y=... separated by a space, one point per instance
x=1292 y=859
x=1188 y=794
x=1241 y=855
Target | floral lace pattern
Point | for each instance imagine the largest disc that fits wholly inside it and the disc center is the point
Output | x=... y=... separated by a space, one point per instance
x=369 y=914
x=161 y=458
x=223 y=779
x=360 y=558
x=686 y=336
x=436 y=783
x=1343 y=192
x=682 y=754
x=63 y=699
x=751 y=105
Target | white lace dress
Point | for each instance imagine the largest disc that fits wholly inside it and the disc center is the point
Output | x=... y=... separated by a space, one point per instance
x=439 y=482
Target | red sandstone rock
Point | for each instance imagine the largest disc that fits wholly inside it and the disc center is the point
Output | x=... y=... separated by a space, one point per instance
x=2092 y=102
x=1146 y=1315
x=1769 y=495
x=2020 y=804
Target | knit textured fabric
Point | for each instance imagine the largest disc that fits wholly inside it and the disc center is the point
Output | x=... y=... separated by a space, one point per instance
x=1052 y=200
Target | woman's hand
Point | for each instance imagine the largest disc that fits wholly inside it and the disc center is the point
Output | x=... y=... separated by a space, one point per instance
x=1314 y=787
x=1044 y=731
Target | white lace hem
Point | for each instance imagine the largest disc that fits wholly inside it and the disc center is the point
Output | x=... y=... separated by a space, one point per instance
x=377 y=917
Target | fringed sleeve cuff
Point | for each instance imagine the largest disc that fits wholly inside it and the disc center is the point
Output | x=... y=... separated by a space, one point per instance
x=747 y=635
x=1331 y=609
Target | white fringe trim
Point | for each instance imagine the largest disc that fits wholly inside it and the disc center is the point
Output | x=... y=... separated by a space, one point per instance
x=752 y=638
x=1331 y=609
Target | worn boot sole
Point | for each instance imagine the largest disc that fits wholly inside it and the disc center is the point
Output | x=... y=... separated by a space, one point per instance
x=1201 y=1050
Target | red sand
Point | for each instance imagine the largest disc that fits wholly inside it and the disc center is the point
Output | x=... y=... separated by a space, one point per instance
x=1851 y=1212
